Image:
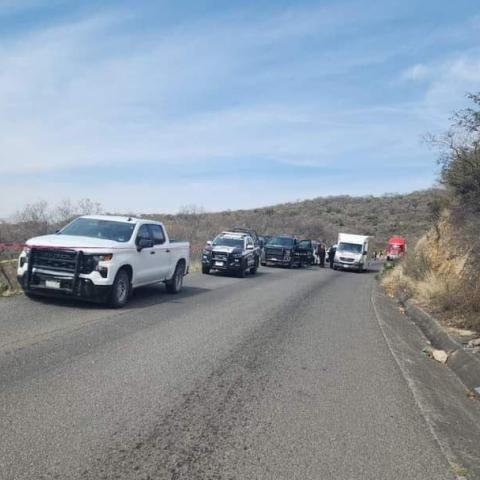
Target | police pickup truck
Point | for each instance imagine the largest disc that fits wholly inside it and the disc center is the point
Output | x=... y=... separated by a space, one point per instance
x=234 y=251
x=103 y=258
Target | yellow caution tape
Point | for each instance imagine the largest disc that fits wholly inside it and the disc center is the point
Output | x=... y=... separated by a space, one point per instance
x=13 y=260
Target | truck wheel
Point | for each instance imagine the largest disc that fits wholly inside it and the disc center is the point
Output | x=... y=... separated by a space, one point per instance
x=253 y=270
x=174 y=285
x=121 y=289
x=243 y=270
x=30 y=295
x=205 y=269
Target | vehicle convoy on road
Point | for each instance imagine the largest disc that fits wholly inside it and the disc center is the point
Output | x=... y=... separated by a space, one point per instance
x=352 y=252
x=396 y=248
x=234 y=251
x=103 y=258
x=287 y=251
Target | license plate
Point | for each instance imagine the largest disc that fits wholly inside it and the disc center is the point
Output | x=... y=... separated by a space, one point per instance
x=219 y=264
x=52 y=284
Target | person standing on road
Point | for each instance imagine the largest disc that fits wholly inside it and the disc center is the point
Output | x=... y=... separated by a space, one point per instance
x=321 y=252
x=331 y=254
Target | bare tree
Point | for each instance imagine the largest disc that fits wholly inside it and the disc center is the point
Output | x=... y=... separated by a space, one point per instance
x=86 y=206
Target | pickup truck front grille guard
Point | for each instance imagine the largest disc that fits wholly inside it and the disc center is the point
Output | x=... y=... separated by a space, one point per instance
x=76 y=271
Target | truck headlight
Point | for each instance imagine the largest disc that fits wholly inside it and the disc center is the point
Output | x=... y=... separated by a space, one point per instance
x=24 y=257
x=103 y=258
x=92 y=262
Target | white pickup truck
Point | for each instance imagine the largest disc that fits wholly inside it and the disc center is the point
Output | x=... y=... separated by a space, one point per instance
x=103 y=258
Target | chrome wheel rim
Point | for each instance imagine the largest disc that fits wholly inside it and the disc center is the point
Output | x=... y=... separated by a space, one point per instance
x=178 y=281
x=122 y=289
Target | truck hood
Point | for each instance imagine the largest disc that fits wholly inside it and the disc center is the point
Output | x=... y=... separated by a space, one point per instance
x=75 y=242
x=224 y=249
x=279 y=247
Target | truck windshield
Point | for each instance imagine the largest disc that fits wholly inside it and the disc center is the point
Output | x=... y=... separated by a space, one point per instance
x=350 y=247
x=228 y=242
x=105 y=229
x=282 y=241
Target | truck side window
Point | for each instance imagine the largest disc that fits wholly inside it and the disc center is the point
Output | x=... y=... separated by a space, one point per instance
x=157 y=234
x=143 y=232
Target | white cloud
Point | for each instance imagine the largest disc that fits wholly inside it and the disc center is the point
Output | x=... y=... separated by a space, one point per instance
x=417 y=72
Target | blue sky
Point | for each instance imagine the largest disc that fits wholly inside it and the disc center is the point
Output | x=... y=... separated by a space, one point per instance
x=147 y=106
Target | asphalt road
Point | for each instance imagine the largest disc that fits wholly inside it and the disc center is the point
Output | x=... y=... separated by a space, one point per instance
x=286 y=375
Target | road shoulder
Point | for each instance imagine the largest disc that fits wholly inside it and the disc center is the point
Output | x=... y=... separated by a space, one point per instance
x=451 y=415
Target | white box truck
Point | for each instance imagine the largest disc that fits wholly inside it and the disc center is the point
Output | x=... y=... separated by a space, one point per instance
x=352 y=252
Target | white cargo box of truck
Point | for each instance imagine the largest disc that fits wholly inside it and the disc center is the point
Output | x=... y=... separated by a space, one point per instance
x=352 y=252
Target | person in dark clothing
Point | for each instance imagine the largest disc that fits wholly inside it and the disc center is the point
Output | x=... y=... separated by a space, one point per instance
x=321 y=252
x=331 y=254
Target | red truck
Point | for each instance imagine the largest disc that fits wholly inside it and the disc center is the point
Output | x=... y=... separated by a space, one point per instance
x=396 y=248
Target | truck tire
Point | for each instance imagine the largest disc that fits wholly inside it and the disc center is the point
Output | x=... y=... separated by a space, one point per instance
x=243 y=270
x=174 y=285
x=205 y=270
x=30 y=295
x=121 y=289
x=253 y=270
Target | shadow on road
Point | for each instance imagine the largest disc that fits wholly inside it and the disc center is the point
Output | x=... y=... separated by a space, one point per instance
x=142 y=297
x=156 y=294
x=260 y=273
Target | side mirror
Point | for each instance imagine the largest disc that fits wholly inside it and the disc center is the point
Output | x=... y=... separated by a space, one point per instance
x=144 y=243
x=209 y=243
x=249 y=247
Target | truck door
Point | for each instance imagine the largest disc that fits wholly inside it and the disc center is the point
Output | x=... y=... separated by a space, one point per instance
x=145 y=263
x=250 y=249
x=163 y=254
x=366 y=256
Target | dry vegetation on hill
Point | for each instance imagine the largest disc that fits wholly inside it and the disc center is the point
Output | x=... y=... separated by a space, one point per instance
x=320 y=218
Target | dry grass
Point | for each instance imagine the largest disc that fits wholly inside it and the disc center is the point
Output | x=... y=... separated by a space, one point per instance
x=441 y=274
x=8 y=279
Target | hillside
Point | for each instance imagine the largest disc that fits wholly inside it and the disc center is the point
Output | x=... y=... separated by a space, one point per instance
x=320 y=218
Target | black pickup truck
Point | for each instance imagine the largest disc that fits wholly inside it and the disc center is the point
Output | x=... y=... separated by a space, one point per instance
x=287 y=251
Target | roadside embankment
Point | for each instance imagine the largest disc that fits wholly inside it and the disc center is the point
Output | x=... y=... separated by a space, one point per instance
x=439 y=288
x=441 y=275
x=8 y=279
